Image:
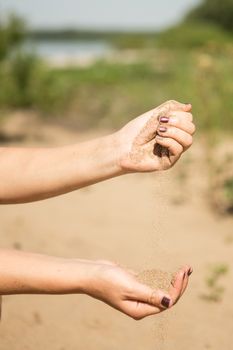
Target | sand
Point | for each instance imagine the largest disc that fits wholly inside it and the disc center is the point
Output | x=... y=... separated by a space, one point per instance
x=143 y=221
x=156 y=279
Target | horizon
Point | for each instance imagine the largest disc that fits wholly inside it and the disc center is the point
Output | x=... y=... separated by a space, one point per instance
x=149 y=16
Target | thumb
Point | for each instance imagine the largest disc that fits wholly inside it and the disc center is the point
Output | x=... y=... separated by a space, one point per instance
x=157 y=297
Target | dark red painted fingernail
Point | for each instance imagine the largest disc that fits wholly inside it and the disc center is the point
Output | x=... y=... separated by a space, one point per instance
x=190 y=271
x=165 y=302
x=164 y=119
x=162 y=129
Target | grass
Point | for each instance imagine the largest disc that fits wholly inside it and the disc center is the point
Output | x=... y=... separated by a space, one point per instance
x=112 y=93
x=214 y=289
x=189 y=35
x=109 y=94
x=228 y=186
x=190 y=63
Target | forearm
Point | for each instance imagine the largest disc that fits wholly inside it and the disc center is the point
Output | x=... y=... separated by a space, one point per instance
x=30 y=174
x=27 y=273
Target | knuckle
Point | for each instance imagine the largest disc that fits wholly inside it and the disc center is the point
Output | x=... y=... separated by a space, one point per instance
x=189 y=140
x=180 y=150
x=152 y=299
x=171 y=103
x=191 y=117
x=193 y=129
x=172 y=131
x=174 y=120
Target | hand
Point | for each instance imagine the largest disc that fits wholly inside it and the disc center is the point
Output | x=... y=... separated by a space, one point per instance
x=121 y=290
x=156 y=139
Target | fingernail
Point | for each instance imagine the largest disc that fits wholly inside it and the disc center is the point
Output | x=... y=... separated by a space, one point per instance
x=162 y=129
x=190 y=271
x=165 y=302
x=164 y=119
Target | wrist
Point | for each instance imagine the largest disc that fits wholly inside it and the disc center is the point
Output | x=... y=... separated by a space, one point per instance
x=123 y=151
x=75 y=276
x=114 y=149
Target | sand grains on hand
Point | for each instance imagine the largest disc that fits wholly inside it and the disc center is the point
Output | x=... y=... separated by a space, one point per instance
x=156 y=279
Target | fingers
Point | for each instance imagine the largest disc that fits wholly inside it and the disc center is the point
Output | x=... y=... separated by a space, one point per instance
x=182 y=137
x=105 y=262
x=174 y=148
x=189 y=271
x=180 y=120
x=146 y=301
x=175 y=105
x=139 y=310
x=179 y=116
x=157 y=298
x=179 y=284
x=179 y=127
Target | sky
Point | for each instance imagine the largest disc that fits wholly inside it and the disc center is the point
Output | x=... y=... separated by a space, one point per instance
x=99 y=14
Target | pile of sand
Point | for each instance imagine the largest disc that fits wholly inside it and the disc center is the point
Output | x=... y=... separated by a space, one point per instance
x=156 y=279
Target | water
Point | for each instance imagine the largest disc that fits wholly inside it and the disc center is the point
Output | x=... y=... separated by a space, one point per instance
x=68 y=49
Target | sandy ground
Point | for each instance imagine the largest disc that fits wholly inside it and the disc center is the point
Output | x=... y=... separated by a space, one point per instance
x=142 y=221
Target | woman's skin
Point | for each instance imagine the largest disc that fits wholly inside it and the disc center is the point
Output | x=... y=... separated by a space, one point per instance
x=153 y=141
x=27 y=273
x=31 y=174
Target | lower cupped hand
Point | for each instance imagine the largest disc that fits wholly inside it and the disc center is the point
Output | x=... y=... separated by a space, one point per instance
x=120 y=289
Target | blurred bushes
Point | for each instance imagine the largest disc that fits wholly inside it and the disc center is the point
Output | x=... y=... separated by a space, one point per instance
x=12 y=32
x=19 y=80
x=25 y=82
x=189 y=35
x=109 y=94
x=219 y=12
x=190 y=62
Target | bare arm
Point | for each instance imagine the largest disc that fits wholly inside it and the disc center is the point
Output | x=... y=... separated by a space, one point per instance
x=27 y=273
x=30 y=174
x=154 y=141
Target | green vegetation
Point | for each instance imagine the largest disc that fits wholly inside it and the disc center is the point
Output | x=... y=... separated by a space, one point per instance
x=190 y=62
x=214 y=289
x=228 y=192
x=112 y=93
x=228 y=185
x=24 y=79
x=190 y=35
x=219 y=12
x=11 y=34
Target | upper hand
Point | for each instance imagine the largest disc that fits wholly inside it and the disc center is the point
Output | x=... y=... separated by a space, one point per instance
x=120 y=289
x=145 y=147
